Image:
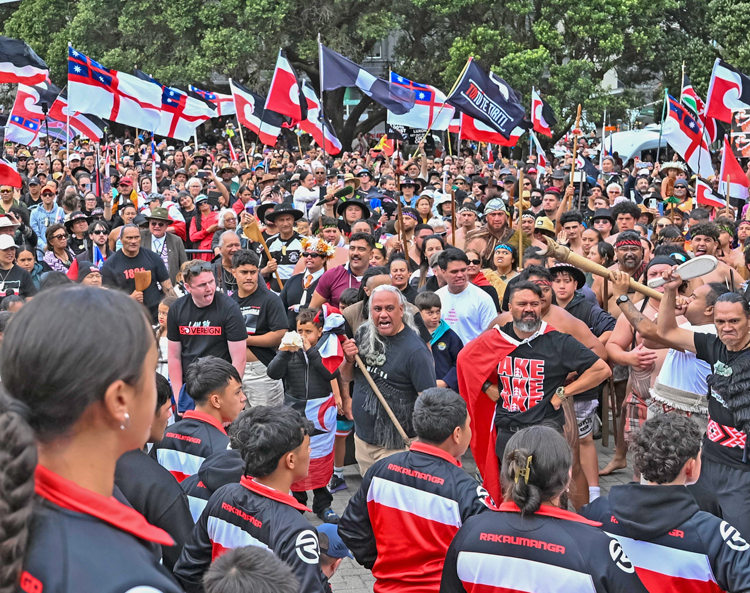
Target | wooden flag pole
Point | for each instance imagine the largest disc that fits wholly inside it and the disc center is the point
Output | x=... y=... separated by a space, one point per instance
x=575 y=149
x=453 y=216
x=519 y=230
x=399 y=216
x=242 y=139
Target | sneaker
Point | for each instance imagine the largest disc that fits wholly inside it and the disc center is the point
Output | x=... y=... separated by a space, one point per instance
x=337 y=484
x=328 y=516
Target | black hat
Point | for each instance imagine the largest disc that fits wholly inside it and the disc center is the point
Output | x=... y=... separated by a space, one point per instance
x=140 y=220
x=34 y=181
x=364 y=172
x=261 y=210
x=180 y=171
x=284 y=208
x=345 y=204
x=603 y=213
x=85 y=268
x=244 y=171
x=576 y=273
x=81 y=172
x=332 y=172
x=76 y=216
x=409 y=181
x=558 y=174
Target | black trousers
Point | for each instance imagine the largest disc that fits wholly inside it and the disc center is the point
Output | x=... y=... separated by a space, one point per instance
x=322 y=499
x=732 y=489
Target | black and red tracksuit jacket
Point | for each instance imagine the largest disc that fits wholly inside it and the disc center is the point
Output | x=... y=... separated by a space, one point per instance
x=251 y=514
x=407 y=510
x=674 y=546
x=81 y=541
x=551 y=551
x=188 y=442
x=219 y=469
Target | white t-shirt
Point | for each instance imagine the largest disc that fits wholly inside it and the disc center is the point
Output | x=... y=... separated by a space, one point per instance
x=682 y=370
x=304 y=198
x=469 y=312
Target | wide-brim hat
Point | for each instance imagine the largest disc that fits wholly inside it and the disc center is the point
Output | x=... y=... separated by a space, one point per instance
x=7 y=223
x=645 y=211
x=261 y=210
x=268 y=177
x=284 y=208
x=74 y=217
x=349 y=178
x=576 y=273
x=603 y=213
x=558 y=174
x=544 y=225
x=345 y=204
x=228 y=169
x=673 y=165
x=159 y=214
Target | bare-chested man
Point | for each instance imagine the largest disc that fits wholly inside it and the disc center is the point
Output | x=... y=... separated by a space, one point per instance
x=466 y=220
x=572 y=225
x=629 y=254
x=626 y=348
x=705 y=241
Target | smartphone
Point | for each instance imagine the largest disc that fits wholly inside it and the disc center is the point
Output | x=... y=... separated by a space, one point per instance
x=107 y=185
x=490 y=166
x=250 y=207
x=213 y=198
x=340 y=183
x=202 y=174
x=652 y=203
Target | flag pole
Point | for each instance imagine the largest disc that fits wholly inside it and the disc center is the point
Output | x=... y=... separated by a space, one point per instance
x=321 y=116
x=399 y=216
x=575 y=150
x=455 y=84
x=242 y=138
x=661 y=125
x=519 y=230
x=299 y=143
x=450 y=149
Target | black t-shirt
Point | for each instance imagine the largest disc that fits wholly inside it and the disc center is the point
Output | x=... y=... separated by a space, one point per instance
x=119 y=270
x=262 y=312
x=711 y=349
x=18 y=281
x=408 y=370
x=205 y=331
x=528 y=378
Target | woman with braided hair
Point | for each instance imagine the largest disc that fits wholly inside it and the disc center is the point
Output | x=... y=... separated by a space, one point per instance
x=531 y=543
x=62 y=429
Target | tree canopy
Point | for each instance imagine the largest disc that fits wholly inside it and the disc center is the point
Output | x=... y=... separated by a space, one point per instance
x=561 y=47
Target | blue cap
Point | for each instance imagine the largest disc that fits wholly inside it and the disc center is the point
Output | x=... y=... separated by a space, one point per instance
x=336 y=546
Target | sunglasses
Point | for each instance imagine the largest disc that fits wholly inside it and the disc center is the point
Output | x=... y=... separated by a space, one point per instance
x=46 y=193
x=197 y=268
x=5 y=191
x=157 y=223
x=99 y=232
x=59 y=237
x=311 y=255
x=475 y=262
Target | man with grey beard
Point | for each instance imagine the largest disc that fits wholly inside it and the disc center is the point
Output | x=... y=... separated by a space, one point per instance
x=401 y=366
x=525 y=367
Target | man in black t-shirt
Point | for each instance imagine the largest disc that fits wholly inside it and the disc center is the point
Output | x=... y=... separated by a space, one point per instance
x=13 y=279
x=204 y=322
x=265 y=322
x=120 y=269
x=725 y=467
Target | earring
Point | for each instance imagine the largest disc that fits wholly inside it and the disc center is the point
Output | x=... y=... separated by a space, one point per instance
x=127 y=421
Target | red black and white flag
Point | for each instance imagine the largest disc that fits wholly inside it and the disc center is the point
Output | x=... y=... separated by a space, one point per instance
x=729 y=90
x=252 y=113
x=8 y=175
x=285 y=95
x=541 y=157
x=316 y=124
x=474 y=129
x=733 y=181
x=690 y=99
x=20 y=64
x=83 y=124
x=705 y=196
x=542 y=116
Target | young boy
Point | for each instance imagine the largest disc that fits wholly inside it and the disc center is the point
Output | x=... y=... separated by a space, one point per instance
x=307 y=389
x=344 y=425
x=445 y=343
x=259 y=511
x=216 y=387
x=399 y=524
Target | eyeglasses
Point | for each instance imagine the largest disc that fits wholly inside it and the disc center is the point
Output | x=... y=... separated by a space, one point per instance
x=98 y=232
x=475 y=262
x=157 y=223
x=311 y=255
x=59 y=237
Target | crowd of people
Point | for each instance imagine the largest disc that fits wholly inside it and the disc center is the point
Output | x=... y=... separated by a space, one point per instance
x=259 y=324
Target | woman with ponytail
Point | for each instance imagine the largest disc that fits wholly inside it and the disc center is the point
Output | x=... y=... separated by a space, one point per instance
x=531 y=543
x=62 y=429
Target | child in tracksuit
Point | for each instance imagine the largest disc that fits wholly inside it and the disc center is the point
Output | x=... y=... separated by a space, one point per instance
x=445 y=343
x=307 y=389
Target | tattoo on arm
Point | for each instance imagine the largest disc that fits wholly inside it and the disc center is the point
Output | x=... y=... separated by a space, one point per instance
x=633 y=315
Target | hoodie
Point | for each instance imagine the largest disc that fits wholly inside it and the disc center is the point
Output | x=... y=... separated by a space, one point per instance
x=223 y=467
x=673 y=545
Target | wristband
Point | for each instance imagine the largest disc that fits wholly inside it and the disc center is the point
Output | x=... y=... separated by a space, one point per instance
x=486 y=386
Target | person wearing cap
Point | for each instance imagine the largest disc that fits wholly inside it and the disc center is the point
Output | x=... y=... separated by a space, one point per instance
x=13 y=278
x=47 y=214
x=167 y=246
x=203 y=226
x=333 y=550
x=33 y=198
x=88 y=274
x=126 y=193
x=408 y=191
x=77 y=223
x=558 y=179
x=285 y=247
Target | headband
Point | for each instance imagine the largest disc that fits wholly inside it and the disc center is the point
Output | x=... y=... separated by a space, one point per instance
x=622 y=242
x=410 y=215
x=504 y=246
x=542 y=282
x=727 y=229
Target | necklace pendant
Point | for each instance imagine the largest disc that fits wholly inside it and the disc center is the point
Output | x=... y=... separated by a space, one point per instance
x=283 y=250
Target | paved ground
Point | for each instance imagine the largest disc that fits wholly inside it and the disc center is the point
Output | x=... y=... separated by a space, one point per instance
x=352 y=578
